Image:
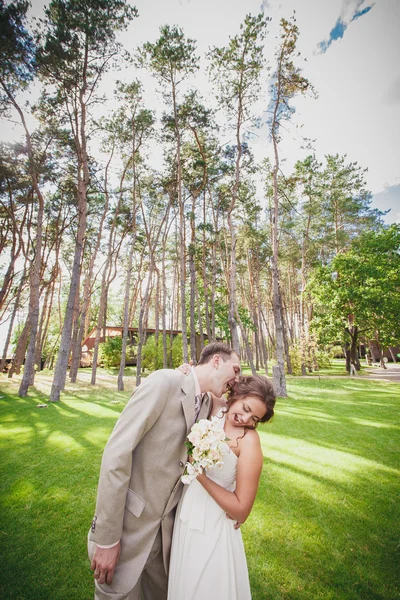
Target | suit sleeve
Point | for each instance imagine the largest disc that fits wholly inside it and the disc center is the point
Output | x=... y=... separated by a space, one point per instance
x=142 y=411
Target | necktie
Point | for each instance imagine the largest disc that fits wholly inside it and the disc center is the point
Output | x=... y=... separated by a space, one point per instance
x=197 y=405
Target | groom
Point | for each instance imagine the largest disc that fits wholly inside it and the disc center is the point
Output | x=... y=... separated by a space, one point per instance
x=139 y=485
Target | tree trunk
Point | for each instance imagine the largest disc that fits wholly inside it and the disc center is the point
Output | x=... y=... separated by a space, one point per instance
x=164 y=309
x=284 y=315
x=192 y=283
x=20 y=350
x=39 y=337
x=380 y=350
x=34 y=296
x=143 y=306
x=60 y=371
x=200 y=321
x=233 y=326
x=10 y=328
x=205 y=278
x=263 y=348
x=126 y=319
x=77 y=348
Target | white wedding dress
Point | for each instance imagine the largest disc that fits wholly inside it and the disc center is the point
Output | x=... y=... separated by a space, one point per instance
x=208 y=561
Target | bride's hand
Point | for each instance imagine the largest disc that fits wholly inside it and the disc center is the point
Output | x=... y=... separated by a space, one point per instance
x=236 y=525
x=185 y=368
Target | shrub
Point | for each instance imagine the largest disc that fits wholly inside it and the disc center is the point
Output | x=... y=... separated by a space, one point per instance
x=323 y=359
x=110 y=352
x=317 y=356
x=295 y=359
x=336 y=352
x=152 y=353
x=177 y=351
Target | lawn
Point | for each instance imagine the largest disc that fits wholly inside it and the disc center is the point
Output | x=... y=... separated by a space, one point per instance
x=324 y=526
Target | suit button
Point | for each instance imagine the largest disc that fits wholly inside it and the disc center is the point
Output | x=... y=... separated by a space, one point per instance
x=181 y=464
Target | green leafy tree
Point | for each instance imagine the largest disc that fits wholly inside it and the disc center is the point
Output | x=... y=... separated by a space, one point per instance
x=236 y=70
x=172 y=59
x=346 y=204
x=359 y=292
x=17 y=70
x=133 y=126
x=78 y=46
x=287 y=82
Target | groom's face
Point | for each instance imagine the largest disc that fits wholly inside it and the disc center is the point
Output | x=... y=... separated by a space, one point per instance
x=225 y=373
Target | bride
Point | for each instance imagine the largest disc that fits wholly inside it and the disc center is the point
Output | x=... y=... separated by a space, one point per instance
x=207 y=556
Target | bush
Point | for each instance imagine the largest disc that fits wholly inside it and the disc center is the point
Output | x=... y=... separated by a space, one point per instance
x=318 y=357
x=336 y=352
x=152 y=353
x=323 y=359
x=295 y=359
x=110 y=352
x=177 y=351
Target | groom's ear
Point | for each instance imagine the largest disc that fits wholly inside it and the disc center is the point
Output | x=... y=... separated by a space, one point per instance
x=216 y=361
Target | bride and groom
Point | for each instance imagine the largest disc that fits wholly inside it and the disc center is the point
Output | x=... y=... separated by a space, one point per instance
x=140 y=487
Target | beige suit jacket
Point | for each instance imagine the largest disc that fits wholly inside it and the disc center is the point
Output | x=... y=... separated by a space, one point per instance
x=139 y=484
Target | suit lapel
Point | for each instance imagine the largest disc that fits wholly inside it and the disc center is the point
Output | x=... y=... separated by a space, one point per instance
x=188 y=400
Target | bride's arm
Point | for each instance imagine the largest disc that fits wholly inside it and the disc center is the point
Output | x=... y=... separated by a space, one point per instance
x=239 y=503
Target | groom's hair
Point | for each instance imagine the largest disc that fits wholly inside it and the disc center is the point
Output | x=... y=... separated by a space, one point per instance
x=223 y=350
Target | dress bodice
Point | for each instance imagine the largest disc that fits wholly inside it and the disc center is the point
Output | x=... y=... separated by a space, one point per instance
x=208 y=558
x=196 y=500
x=225 y=475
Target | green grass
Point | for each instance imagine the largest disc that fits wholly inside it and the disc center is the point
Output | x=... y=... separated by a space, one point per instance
x=336 y=368
x=326 y=519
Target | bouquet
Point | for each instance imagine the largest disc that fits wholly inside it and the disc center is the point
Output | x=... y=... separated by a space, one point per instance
x=205 y=445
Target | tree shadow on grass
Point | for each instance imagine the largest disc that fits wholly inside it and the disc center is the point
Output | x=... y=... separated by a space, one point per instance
x=50 y=461
x=44 y=555
x=361 y=424
x=313 y=537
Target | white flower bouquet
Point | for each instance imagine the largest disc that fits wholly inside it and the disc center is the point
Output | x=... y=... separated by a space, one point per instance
x=205 y=446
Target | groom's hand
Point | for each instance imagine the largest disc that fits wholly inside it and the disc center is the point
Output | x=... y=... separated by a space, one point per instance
x=104 y=562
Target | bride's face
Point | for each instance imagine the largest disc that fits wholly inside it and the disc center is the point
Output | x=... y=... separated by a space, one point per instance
x=246 y=412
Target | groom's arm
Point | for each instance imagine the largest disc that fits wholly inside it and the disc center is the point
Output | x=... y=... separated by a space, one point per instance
x=142 y=411
x=104 y=562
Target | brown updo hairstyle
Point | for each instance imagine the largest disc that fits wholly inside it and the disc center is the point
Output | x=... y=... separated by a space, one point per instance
x=256 y=386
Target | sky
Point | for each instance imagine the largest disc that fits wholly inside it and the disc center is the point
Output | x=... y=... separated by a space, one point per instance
x=351 y=50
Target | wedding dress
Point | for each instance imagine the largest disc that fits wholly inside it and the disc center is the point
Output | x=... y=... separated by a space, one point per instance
x=208 y=561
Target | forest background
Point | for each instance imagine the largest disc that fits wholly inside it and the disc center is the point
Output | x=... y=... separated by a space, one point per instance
x=188 y=195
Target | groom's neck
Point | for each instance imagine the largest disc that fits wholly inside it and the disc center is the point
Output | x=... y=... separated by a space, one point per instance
x=204 y=375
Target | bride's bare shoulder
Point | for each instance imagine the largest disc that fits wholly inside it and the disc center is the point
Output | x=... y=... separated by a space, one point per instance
x=251 y=440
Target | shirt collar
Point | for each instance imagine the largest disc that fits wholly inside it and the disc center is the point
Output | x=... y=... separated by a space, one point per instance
x=197 y=389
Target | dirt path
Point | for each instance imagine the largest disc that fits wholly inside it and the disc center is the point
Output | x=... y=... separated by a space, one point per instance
x=392 y=373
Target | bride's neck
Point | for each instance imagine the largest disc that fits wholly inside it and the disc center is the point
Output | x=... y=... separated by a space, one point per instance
x=217 y=404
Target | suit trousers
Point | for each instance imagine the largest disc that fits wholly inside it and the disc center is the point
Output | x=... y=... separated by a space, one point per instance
x=151 y=585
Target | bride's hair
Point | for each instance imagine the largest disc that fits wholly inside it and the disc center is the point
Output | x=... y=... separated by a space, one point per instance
x=256 y=386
